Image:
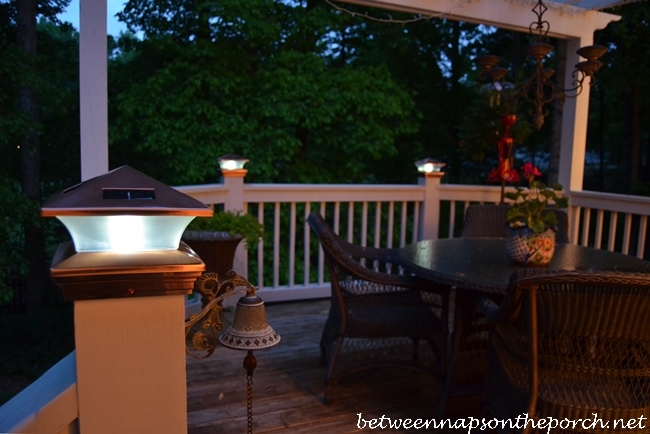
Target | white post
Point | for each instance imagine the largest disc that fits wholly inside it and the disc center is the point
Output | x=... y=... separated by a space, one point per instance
x=129 y=321
x=93 y=88
x=430 y=212
x=234 y=181
x=131 y=374
x=575 y=115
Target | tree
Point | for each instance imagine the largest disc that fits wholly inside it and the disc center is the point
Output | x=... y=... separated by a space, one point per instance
x=22 y=144
x=260 y=82
x=430 y=58
x=30 y=150
x=622 y=97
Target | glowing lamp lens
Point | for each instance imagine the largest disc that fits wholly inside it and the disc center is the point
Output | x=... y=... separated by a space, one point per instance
x=125 y=233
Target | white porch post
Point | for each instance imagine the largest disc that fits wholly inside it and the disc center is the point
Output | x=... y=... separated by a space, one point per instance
x=234 y=181
x=575 y=115
x=93 y=88
x=131 y=365
x=430 y=212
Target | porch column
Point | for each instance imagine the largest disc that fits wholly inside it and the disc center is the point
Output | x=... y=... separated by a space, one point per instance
x=93 y=88
x=575 y=116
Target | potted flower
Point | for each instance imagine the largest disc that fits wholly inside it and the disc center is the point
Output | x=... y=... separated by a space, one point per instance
x=215 y=239
x=532 y=225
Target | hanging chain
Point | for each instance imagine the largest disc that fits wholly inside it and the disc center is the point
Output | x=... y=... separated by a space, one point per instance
x=391 y=20
x=249 y=403
x=250 y=362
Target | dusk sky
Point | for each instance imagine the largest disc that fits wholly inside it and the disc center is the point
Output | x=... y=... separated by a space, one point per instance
x=113 y=7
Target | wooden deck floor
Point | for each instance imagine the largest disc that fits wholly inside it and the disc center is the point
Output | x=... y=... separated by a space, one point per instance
x=288 y=386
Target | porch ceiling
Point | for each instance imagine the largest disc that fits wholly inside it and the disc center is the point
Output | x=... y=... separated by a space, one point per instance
x=568 y=18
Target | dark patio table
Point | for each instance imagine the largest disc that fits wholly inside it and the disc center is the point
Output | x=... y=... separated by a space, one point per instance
x=480 y=267
x=481 y=264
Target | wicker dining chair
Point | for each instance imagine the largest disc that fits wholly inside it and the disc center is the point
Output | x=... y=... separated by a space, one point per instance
x=379 y=315
x=568 y=345
x=489 y=220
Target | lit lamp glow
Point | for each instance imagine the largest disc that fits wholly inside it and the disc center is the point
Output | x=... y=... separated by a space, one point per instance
x=125 y=233
x=231 y=162
x=429 y=165
x=124 y=211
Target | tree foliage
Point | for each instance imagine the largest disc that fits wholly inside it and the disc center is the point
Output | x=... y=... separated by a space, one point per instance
x=618 y=132
x=34 y=116
x=259 y=82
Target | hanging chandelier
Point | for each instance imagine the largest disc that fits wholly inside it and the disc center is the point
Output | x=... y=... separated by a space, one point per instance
x=539 y=89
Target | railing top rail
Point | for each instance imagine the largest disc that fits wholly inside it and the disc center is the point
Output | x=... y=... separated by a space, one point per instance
x=471 y=193
x=345 y=187
x=332 y=193
x=611 y=202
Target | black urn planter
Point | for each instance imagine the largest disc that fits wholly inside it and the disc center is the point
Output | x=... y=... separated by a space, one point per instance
x=215 y=248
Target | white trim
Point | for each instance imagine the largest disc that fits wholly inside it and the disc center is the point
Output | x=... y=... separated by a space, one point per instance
x=506 y=14
x=93 y=88
x=48 y=405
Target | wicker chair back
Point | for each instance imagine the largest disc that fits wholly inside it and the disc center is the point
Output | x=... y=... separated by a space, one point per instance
x=380 y=315
x=489 y=221
x=568 y=344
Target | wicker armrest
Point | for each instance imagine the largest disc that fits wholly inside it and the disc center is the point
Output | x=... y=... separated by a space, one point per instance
x=371 y=253
x=489 y=308
x=492 y=311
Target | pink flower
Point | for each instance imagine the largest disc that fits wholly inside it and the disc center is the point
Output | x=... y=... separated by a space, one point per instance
x=529 y=171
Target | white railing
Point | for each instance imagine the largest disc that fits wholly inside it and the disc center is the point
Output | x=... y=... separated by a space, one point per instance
x=288 y=265
x=613 y=221
x=48 y=405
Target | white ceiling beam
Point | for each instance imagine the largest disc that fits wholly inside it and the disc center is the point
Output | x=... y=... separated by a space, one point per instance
x=566 y=21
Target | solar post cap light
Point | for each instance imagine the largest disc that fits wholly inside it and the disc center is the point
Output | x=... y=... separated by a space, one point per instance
x=429 y=165
x=126 y=230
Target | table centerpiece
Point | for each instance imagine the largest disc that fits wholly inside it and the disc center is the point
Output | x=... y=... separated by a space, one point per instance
x=531 y=224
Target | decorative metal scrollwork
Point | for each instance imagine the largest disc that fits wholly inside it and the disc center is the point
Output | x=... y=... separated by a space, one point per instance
x=202 y=329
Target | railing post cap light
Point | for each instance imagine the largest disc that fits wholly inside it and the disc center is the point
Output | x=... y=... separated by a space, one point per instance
x=429 y=166
x=232 y=165
x=124 y=210
x=124 y=223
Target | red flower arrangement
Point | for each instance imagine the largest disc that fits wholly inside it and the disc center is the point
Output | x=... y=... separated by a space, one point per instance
x=529 y=206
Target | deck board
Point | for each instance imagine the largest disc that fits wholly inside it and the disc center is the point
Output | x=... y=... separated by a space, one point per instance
x=289 y=383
